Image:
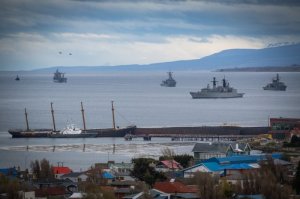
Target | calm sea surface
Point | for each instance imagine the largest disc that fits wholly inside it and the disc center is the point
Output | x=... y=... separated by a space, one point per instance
x=140 y=100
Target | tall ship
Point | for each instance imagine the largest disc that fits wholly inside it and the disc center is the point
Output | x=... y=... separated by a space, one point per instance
x=71 y=131
x=224 y=91
x=59 y=77
x=275 y=85
x=170 y=82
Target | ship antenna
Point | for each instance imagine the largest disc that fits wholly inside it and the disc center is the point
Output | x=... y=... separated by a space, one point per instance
x=113 y=114
x=53 y=120
x=83 y=118
x=214 y=82
x=26 y=117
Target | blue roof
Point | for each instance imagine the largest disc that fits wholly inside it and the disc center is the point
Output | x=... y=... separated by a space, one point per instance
x=214 y=167
x=242 y=159
x=9 y=171
x=108 y=175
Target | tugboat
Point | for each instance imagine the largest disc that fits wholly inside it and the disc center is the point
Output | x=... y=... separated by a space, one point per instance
x=170 y=82
x=224 y=91
x=59 y=77
x=276 y=85
x=17 y=78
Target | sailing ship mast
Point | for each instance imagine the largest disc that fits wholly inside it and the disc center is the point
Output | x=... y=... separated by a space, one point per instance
x=83 y=118
x=26 y=118
x=53 y=120
x=113 y=114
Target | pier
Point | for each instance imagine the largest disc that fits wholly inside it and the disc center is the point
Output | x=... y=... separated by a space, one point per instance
x=196 y=137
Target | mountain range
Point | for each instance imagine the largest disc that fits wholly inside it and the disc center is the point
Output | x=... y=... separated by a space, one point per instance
x=287 y=55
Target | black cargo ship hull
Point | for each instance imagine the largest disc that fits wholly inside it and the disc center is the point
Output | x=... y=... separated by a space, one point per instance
x=89 y=133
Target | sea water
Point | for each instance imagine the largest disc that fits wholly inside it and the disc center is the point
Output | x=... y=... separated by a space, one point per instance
x=140 y=100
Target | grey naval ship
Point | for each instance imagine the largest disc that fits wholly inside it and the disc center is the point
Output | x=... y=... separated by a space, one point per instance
x=224 y=91
x=71 y=131
x=276 y=85
x=59 y=77
x=170 y=82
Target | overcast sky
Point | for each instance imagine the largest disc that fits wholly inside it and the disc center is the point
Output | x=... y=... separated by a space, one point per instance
x=119 y=32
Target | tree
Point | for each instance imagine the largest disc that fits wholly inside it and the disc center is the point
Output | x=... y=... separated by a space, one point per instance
x=144 y=172
x=35 y=168
x=296 y=181
x=42 y=169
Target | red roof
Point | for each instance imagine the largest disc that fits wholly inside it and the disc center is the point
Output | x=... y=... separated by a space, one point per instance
x=61 y=170
x=50 y=191
x=171 y=164
x=173 y=187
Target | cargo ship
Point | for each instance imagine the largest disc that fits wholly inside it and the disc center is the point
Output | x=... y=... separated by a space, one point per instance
x=71 y=131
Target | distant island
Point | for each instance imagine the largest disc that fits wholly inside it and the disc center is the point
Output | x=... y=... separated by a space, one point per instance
x=292 y=68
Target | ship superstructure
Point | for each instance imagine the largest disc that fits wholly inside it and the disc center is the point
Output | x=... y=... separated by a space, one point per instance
x=59 y=77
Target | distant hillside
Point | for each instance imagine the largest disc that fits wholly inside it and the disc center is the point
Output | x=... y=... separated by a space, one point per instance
x=294 y=68
x=233 y=58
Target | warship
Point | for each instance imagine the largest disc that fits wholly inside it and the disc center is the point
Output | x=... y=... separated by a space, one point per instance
x=59 y=77
x=170 y=82
x=276 y=85
x=71 y=131
x=224 y=91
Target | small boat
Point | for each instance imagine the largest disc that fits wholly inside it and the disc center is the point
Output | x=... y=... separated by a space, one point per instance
x=17 y=78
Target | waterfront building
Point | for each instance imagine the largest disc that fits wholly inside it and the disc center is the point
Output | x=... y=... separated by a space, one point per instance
x=203 y=151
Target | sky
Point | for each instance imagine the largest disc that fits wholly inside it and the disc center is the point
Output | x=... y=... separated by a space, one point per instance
x=44 y=33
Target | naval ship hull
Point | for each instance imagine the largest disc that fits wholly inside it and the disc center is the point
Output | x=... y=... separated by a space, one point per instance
x=89 y=133
x=273 y=88
x=214 y=95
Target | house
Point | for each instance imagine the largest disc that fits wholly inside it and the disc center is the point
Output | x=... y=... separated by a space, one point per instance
x=256 y=196
x=122 y=170
x=50 y=192
x=238 y=149
x=229 y=165
x=176 y=189
x=203 y=151
x=26 y=194
x=9 y=171
x=168 y=165
x=154 y=193
x=281 y=127
x=60 y=171
x=77 y=195
x=108 y=177
x=75 y=177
